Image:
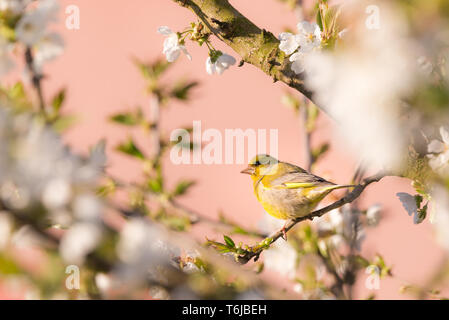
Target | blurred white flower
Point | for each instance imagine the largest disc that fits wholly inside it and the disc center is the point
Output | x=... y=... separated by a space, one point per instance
x=159 y=293
x=309 y=36
x=333 y=221
x=5 y=229
x=223 y=62
x=31 y=28
x=439 y=153
x=269 y=224
x=373 y=215
x=97 y=156
x=49 y=47
x=56 y=193
x=425 y=66
x=342 y=34
x=409 y=203
x=190 y=268
x=298 y=288
x=289 y=42
x=143 y=242
x=361 y=88
x=441 y=218
x=281 y=257
x=144 y=251
x=87 y=207
x=104 y=283
x=353 y=230
x=36 y=169
x=172 y=47
x=297 y=60
x=14 y=7
x=6 y=62
x=26 y=237
x=79 y=241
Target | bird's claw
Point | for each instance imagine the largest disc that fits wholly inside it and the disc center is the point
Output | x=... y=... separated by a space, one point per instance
x=284 y=234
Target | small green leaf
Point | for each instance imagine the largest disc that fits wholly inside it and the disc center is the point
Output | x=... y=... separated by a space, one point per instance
x=182 y=187
x=181 y=90
x=131 y=149
x=126 y=119
x=155 y=185
x=229 y=241
x=58 y=100
x=320 y=151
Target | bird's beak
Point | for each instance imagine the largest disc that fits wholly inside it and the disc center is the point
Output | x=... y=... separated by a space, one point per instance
x=249 y=170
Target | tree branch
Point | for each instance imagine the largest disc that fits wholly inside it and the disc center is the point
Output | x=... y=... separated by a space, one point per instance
x=255 y=46
x=350 y=197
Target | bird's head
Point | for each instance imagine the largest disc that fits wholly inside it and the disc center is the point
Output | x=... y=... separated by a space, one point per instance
x=262 y=164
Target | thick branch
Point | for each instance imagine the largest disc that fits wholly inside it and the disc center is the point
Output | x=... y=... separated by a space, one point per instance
x=255 y=46
x=350 y=197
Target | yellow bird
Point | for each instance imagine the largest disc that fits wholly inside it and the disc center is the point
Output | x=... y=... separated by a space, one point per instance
x=287 y=191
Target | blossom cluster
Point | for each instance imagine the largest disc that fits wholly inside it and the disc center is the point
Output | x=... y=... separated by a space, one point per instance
x=27 y=23
x=174 y=44
x=298 y=45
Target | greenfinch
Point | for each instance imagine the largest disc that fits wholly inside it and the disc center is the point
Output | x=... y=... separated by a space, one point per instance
x=287 y=191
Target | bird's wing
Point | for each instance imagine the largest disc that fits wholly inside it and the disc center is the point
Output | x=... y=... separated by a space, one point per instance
x=296 y=177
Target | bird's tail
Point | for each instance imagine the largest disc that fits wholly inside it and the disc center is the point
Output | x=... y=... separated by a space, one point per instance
x=338 y=186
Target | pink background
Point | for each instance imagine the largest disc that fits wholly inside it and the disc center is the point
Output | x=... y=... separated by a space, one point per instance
x=101 y=80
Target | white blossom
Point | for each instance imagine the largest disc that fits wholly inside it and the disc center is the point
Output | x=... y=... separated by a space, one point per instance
x=309 y=36
x=87 y=207
x=281 y=257
x=425 y=66
x=56 y=193
x=361 y=88
x=78 y=241
x=6 y=63
x=269 y=224
x=441 y=218
x=13 y=7
x=439 y=153
x=49 y=47
x=373 y=214
x=6 y=228
x=289 y=42
x=172 y=47
x=223 y=62
x=297 y=60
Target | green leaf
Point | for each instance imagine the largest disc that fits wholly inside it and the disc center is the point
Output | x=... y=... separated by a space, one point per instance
x=219 y=246
x=63 y=123
x=182 y=187
x=155 y=185
x=181 y=90
x=229 y=241
x=58 y=100
x=131 y=149
x=17 y=91
x=126 y=119
x=8 y=266
x=320 y=151
x=152 y=71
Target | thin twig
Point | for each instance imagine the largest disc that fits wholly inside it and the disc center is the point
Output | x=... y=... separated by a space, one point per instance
x=35 y=78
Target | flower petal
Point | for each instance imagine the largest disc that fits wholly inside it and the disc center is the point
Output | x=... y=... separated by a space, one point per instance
x=445 y=135
x=435 y=146
x=166 y=31
x=210 y=67
x=288 y=43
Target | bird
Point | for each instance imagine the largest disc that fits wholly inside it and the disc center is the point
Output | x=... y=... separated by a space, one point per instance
x=285 y=190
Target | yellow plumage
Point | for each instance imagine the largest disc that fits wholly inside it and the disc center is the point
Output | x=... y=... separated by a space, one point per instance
x=287 y=191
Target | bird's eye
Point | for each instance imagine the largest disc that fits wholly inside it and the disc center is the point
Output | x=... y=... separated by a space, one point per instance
x=257 y=163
